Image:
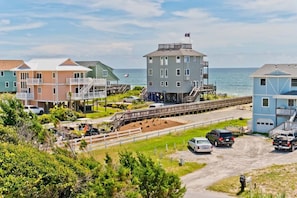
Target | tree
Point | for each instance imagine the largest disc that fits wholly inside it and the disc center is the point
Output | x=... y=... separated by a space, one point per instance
x=152 y=179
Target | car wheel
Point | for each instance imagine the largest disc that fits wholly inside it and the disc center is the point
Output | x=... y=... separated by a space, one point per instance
x=41 y=112
x=216 y=144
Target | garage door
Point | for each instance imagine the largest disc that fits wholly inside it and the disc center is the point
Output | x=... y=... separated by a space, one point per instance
x=264 y=125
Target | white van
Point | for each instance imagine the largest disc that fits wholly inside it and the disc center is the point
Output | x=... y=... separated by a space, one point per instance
x=155 y=105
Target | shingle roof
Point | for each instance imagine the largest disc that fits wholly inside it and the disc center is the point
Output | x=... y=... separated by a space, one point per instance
x=53 y=64
x=276 y=70
x=10 y=64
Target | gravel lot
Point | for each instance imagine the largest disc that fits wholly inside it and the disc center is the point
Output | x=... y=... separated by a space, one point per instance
x=248 y=152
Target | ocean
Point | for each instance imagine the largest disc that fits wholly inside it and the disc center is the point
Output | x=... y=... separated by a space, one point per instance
x=230 y=81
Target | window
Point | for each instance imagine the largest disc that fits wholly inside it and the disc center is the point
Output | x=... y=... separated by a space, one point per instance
x=166 y=83
x=290 y=102
x=161 y=73
x=187 y=72
x=150 y=83
x=2 y=73
x=186 y=59
x=14 y=83
x=6 y=84
x=39 y=90
x=76 y=75
x=166 y=73
x=54 y=91
x=24 y=76
x=150 y=72
x=265 y=102
x=104 y=73
x=294 y=82
x=262 y=81
x=178 y=83
x=177 y=59
x=14 y=73
x=162 y=84
x=150 y=60
x=161 y=60
x=177 y=72
x=194 y=59
x=39 y=75
x=166 y=60
x=54 y=75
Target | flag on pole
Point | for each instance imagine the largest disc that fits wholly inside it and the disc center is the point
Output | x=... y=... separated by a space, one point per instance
x=187 y=34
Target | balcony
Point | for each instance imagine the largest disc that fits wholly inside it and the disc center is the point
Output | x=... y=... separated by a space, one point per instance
x=205 y=63
x=205 y=76
x=24 y=96
x=284 y=112
x=86 y=81
x=86 y=96
x=34 y=81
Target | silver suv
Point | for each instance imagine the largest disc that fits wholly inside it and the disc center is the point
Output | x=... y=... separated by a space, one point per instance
x=33 y=109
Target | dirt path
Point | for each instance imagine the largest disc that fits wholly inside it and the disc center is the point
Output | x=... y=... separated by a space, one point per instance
x=248 y=153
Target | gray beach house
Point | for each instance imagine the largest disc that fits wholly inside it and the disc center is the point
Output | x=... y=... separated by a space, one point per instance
x=176 y=74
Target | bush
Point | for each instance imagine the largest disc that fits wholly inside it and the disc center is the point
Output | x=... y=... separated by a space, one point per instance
x=45 y=118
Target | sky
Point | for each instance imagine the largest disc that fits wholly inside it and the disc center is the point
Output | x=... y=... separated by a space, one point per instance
x=232 y=33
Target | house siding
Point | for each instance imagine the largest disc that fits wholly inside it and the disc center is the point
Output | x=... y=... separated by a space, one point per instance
x=159 y=85
x=278 y=90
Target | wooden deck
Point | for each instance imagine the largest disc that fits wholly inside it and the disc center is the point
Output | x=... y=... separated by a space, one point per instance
x=122 y=118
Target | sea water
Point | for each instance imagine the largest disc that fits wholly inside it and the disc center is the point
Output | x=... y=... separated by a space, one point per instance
x=230 y=81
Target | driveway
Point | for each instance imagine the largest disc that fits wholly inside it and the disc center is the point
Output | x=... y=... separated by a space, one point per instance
x=249 y=152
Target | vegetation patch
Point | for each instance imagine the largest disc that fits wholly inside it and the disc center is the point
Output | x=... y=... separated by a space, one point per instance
x=273 y=181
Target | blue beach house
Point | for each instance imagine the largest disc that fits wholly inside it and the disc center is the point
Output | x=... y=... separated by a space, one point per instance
x=8 y=77
x=274 y=97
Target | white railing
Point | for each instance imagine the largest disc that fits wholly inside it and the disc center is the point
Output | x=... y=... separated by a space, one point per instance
x=34 y=81
x=288 y=112
x=78 y=81
x=89 y=95
x=111 y=140
x=24 y=96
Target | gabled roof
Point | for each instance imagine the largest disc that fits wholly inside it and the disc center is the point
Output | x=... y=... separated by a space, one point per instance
x=52 y=64
x=10 y=64
x=276 y=70
x=111 y=76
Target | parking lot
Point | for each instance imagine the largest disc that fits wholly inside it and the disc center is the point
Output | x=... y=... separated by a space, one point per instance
x=249 y=152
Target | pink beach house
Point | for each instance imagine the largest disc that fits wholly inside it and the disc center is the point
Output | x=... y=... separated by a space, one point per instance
x=58 y=81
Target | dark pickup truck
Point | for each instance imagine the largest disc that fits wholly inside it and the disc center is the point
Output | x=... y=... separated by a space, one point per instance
x=285 y=141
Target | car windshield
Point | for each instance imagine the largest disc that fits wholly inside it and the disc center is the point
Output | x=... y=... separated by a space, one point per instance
x=202 y=142
x=226 y=134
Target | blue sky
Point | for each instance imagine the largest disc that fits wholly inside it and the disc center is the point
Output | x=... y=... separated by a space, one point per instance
x=232 y=33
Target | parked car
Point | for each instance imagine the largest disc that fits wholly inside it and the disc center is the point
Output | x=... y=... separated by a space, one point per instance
x=131 y=99
x=200 y=144
x=219 y=137
x=33 y=109
x=286 y=140
x=156 y=105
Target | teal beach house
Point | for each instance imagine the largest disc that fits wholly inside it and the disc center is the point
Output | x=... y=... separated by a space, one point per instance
x=275 y=98
x=8 y=77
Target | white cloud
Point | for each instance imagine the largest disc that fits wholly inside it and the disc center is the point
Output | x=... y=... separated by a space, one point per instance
x=21 y=27
x=4 y=22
